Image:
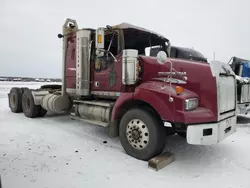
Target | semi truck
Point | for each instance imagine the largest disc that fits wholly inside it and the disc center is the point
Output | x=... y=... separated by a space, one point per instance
x=108 y=80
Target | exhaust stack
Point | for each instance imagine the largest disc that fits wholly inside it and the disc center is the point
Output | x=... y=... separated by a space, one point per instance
x=83 y=46
x=68 y=27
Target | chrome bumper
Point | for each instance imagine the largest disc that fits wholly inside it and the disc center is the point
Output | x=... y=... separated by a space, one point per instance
x=212 y=133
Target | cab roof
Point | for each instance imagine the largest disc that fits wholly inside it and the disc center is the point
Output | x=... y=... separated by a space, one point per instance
x=126 y=25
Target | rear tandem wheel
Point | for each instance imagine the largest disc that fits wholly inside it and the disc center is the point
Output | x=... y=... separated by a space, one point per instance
x=29 y=108
x=15 y=100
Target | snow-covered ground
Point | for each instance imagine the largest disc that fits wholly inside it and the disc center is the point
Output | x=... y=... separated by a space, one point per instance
x=56 y=152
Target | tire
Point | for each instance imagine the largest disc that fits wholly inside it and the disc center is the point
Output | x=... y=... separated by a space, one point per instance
x=15 y=100
x=182 y=134
x=23 y=89
x=152 y=134
x=29 y=108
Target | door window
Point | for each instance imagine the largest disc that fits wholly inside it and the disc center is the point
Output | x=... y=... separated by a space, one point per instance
x=111 y=45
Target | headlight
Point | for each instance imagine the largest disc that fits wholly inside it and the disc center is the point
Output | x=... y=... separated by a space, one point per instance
x=191 y=104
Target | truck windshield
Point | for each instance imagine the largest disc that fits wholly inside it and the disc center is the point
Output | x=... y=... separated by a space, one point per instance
x=186 y=53
x=141 y=40
x=179 y=52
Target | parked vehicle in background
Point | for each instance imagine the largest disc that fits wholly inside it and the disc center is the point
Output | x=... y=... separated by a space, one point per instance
x=241 y=68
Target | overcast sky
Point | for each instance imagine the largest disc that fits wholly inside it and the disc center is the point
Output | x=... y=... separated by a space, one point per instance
x=28 y=29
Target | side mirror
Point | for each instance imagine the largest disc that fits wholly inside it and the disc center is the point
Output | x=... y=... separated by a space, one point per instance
x=99 y=41
x=161 y=57
x=60 y=35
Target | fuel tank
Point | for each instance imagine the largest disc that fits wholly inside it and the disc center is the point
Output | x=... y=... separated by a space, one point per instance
x=55 y=103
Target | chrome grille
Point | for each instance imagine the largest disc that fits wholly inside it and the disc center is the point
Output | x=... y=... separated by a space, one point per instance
x=227 y=93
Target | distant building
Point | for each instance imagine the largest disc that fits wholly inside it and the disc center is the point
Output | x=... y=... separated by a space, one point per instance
x=17 y=79
x=3 y=79
x=41 y=80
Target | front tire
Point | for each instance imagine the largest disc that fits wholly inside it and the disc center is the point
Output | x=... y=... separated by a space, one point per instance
x=142 y=134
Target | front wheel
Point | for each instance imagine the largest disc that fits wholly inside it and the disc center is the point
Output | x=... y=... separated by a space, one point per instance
x=142 y=134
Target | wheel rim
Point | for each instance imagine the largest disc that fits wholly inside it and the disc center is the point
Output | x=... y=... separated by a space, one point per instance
x=137 y=134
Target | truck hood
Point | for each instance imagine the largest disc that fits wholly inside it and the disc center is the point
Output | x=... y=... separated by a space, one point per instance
x=152 y=70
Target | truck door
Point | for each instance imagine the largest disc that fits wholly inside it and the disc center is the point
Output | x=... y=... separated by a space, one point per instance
x=106 y=72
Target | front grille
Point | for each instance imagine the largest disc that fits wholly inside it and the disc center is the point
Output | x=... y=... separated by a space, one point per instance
x=227 y=93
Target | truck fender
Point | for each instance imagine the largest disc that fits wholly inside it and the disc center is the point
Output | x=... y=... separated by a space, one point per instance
x=151 y=97
x=122 y=99
x=157 y=99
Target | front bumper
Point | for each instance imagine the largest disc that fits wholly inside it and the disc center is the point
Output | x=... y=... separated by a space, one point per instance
x=212 y=133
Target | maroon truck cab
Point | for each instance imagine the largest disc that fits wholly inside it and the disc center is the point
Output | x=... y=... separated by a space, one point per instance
x=198 y=99
x=109 y=80
x=207 y=89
